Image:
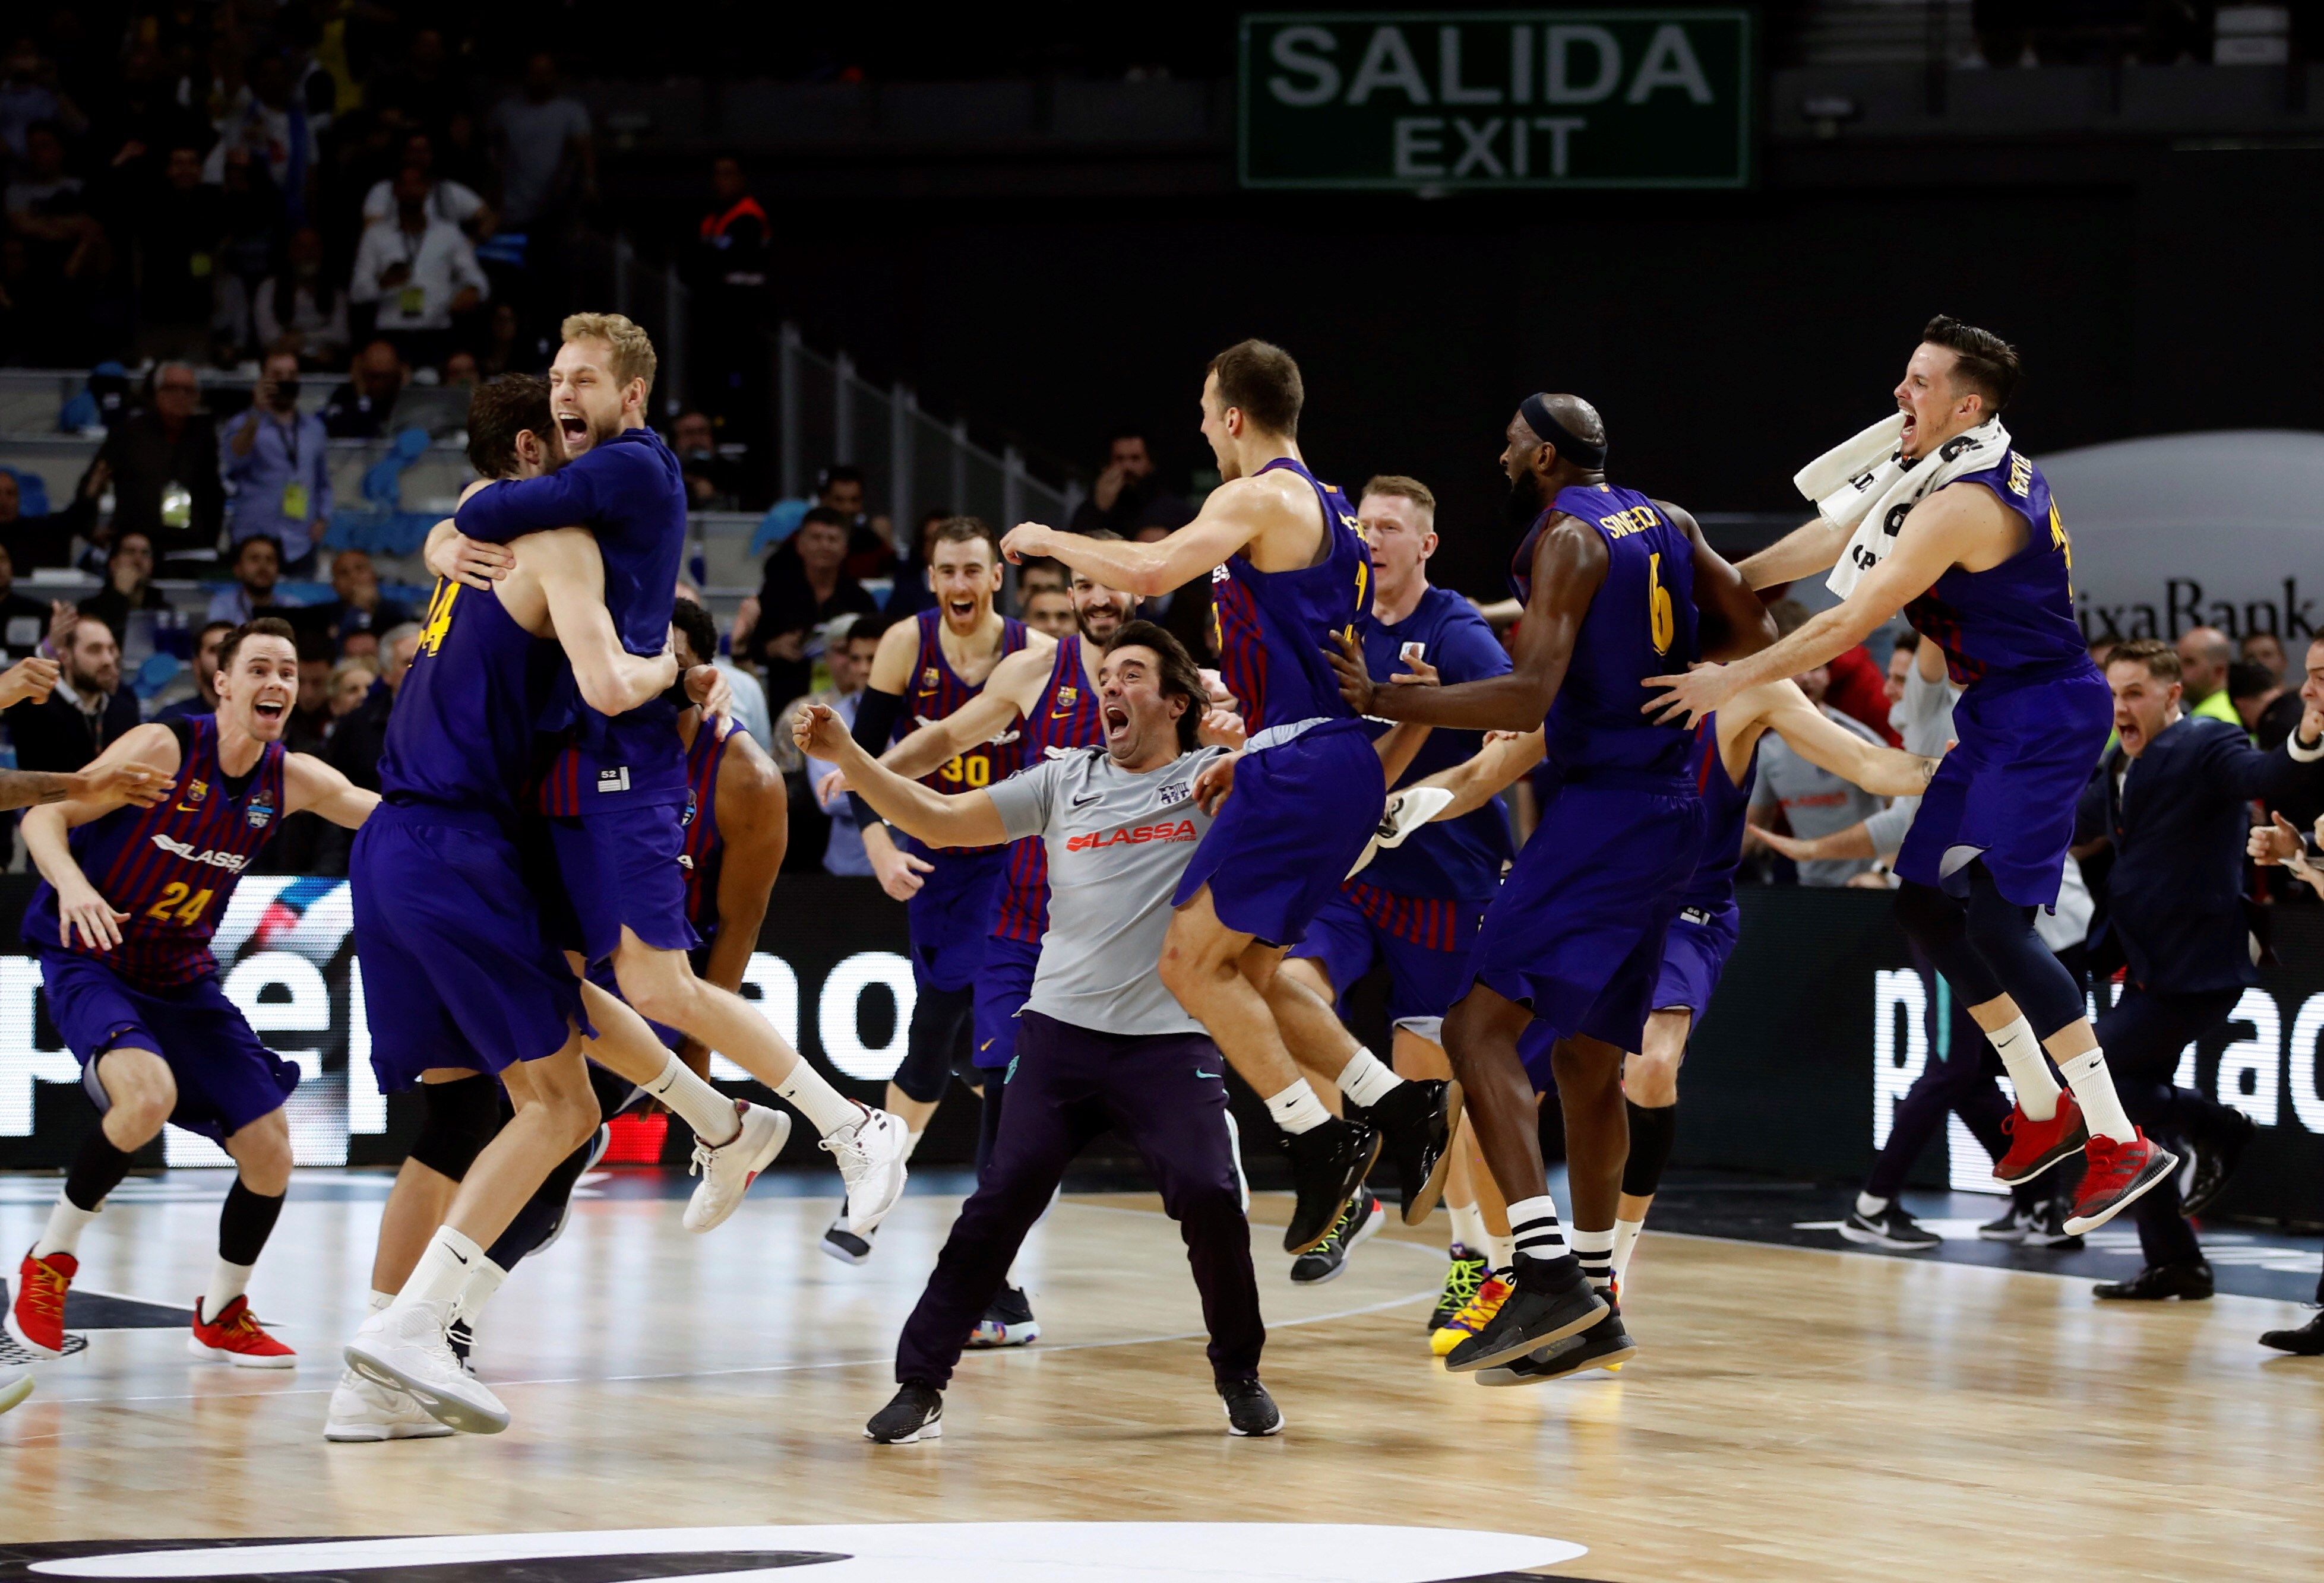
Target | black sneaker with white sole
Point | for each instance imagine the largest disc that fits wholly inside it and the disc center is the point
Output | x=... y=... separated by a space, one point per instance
x=1008 y=1322
x=1325 y=1260
x=1251 y=1412
x=843 y=1245
x=2048 y=1228
x=1328 y=1166
x=2010 y=1225
x=2214 y=1160
x=1416 y=1120
x=1545 y=1306
x=915 y=1413
x=1891 y=1228
x=1604 y=1345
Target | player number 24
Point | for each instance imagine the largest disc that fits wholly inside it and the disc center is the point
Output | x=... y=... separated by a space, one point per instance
x=178 y=906
x=1662 y=620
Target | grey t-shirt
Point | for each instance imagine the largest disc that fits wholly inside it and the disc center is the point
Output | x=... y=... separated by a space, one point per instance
x=1815 y=801
x=1925 y=720
x=1117 y=844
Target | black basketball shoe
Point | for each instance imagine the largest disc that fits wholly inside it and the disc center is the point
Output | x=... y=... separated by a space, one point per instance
x=1328 y=1166
x=1251 y=1412
x=1544 y=1307
x=1891 y=1228
x=916 y=1413
x=1604 y=1345
x=2307 y=1341
x=2216 y=1159
x=1416 y=1120
x=1325 y=1260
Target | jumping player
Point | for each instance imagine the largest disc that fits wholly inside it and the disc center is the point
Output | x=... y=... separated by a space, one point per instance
x=924 y=670
x=1099 y=1042
x=1289 y=569
x=1616 y=587
x=131 y=890
x=1981 y=565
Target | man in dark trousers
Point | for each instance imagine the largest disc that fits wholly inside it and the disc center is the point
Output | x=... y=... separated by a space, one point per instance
x=2172 y=796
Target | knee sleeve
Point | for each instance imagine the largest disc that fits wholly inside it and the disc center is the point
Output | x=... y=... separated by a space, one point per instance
x=2002 y=933
x=1653 y=1128
x=937 y=1017
x=463 y=1116
x=1939 y=927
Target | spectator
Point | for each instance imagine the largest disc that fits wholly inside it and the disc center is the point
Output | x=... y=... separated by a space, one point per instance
x=34 y=541
x=310 y=717
x=850 y=659
x=711 y=484
x=30 y=94
x=253 y=227
x=352 y=681
x=426 y=90
x=2265 y=650
x=806 y=586
x=729 y=276
x=1128 y=496
x=182 y=234
x=162 y=465
x=257 y=568
x=24 y=622
x=460 y=371
x=910 y=594
x=507 y=348
x=359 y=736
x=2204 y=655
x=88 y=711
x=750 y=708
x=66 y=253
x=1050 y=611
x=361 y=408
x=1858 y=686
x=2264 y=706
x=421 y=272
x=358 y=606
x=870 y=540
x=362 y=646
x=275 y=130
x=208 y=644
x=277 y=459
x=1043 y=575
x=299 y=303
x=1814 y=801
x=452 y=202
x=542 y=141
x=128 y=584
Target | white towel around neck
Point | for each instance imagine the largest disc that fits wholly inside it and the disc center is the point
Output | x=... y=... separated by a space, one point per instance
x=1863 y=484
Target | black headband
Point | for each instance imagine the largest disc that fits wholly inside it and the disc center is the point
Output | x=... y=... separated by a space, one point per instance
x=1535 y=411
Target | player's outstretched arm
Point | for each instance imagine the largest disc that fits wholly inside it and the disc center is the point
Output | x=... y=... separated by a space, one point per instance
x=1010 y=693
x=1233 y=516
x=455 y=558
x=1568 y=566
x=572 y=577
x=30 y=680
x=309 y=785
x=968 y=819
x=1885 y=772
x=1813 y=546
x=507 y=508
x=152 y=748
x=137 y=785
x=1500 y=764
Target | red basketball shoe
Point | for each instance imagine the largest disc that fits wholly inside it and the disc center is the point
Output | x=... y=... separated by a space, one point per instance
x=236 y=1337
x=37 y=1317
x=2119 y=1173
x=2036 y=1146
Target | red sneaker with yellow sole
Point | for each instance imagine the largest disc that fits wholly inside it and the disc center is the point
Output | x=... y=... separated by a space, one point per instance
x=36 y=1319
x=2036 y=1146
x=236 y=1337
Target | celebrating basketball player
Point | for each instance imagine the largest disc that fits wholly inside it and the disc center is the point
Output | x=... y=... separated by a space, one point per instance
x=1288 y=568
x=1979 y=561
x=131 y=891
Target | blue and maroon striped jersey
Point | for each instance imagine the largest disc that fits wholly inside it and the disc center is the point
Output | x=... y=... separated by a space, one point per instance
x=1431 y=922
x=1065 y=717
x=934 y=690
x=1271 y=628
x=1724 y=804
x=704 y=844
x=2016 y=619
x=173 y=867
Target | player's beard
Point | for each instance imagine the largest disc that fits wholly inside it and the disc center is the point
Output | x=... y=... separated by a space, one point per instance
x=1525 y=502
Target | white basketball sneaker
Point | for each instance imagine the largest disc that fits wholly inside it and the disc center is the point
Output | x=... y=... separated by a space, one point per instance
x=16 y=1385
x=728 y=1170
x=405 y=1346
x=870 y=1156
x=364 y=1410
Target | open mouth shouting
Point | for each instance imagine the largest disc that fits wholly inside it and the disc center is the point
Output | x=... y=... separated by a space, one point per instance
x=574 y=429
x=1117 y=720
x=271 y=710
x=960 y=610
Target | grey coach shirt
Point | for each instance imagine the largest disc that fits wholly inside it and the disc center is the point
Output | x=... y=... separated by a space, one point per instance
x=1117 y=844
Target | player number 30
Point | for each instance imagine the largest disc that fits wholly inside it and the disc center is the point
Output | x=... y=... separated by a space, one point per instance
x=974 y=770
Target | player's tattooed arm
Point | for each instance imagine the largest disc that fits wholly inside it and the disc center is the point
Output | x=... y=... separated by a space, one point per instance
x=79 y=909
x=966 y=819
x=311 y=786
x=135 y=783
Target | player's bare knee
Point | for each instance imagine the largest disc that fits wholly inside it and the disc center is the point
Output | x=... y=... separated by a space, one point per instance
x=140 y=1094
x=262 y=1154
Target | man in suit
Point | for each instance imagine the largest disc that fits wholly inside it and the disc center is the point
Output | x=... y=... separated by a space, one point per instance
x=89 y=709
x=2172 y=797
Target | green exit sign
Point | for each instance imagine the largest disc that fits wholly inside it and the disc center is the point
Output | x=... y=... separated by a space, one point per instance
x=1457 y=101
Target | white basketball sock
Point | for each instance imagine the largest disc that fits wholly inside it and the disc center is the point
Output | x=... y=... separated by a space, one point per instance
x=67 y=1221
x=444 y=1266
x=1871 y=1207
x=710 y=1113
x=1626 y=1241
x=1468 y=1227
x=1534 y=1226
x=2029 y=1069
x=2093 y=1087
x=1500 y=1252
x=1365 y=1078
x=227 y=1281
x=1595 y=1250
x=827 y=1109
x=1296 y=1108
x=380 y=1300
x=482 y=1280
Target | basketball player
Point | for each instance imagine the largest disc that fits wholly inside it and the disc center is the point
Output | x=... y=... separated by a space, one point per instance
x=617 y=795
x=131 y=892
x=1289 y=569
x=1099 y=1042
x=924 y=670
x=1981 y=566
x=1616 y=587
x=1416 y=907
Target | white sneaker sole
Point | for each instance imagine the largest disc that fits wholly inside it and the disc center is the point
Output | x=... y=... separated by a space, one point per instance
x=363 y=1433
x=833 y=1250
x=778 y=1133
x=196 y=1347
x=933 y=1429
x=2078 y=1224
x=22 y=1339
x=1253 y=1434
x=1364 y=1233
x=467 y=1414
x=13 y=1393
x=982 y=1341
x=1863 y=1239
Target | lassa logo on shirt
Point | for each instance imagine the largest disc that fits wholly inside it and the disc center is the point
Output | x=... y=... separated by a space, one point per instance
x=1133 y=835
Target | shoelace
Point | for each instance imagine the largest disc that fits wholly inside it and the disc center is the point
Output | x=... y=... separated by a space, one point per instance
x=44 y=1294
x=703 y=1153
x=1485 y=1304
x=1462 y=1285
x=2110 y=1162
x=848 y=1150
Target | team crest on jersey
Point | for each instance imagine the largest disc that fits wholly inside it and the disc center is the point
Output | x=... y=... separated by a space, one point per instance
x=261 y=812
x=930 y=678
x=1177 y=791
x=1066 y=698
x=196 y=791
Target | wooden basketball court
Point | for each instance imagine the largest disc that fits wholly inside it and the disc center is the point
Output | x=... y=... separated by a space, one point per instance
x=1795 y=1413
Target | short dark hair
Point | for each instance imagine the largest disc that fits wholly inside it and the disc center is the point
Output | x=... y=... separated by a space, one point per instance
x=1908 y=641
x=2249 y=681
x=2159 y=659
x=701 y=631
x=1181 y=676
x=1983 y=360
x=124 y=537
x=256 y=627
x=267 y=539
x=1261 y=378
x=499 y=410
x=828 y=517
x=965 y=531
x=864 y=628
x=839 y=472
x=202 y=633
x=316 y=647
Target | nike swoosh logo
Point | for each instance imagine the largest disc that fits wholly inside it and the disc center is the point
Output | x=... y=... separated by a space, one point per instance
x=183 y=809
x=457 y=1254
x=1085 y=802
